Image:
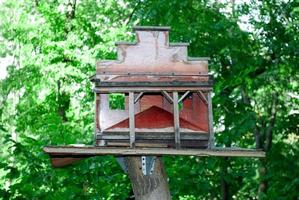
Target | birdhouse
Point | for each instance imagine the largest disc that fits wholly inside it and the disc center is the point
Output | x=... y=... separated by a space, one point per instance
x=153 y=100
x=153 y=95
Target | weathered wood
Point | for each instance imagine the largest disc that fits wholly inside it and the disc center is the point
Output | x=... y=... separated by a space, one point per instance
x=138 y=97
x=156 y=84
x=211 y=128
x=141 y=145
x=190 y=144
x=202 y=97
x=106 y=135
x=176 y=119
x=96 y=151
x=97 y=116
x=151 y=28
x=184 y=96
x=147 y=89
x=132 y=119
x=96 y=77
x=167 y=96
x=148 y=187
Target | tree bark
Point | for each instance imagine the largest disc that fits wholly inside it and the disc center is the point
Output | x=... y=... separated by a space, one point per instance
x=150 y=187
x=224 y=184
x=264 y=182
x=266 y=145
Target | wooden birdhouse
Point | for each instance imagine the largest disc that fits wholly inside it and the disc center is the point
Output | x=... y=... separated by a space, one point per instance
x=163 y=96
x=153 y=100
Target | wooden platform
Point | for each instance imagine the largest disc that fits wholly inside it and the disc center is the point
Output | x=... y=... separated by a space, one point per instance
x=122 y=151
x=66 y=155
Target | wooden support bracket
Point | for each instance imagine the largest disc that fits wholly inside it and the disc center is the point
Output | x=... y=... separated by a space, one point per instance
x=202 y=97
x=138 y=97
x=167 y=96
x=184 y=96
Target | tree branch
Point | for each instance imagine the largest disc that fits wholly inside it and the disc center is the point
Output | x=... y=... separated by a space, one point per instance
x=132 y=13
x=269 y=131
x=70 y=15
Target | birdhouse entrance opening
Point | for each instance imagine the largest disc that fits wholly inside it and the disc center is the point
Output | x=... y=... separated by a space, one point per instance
x=117 y=101
x=155 y=119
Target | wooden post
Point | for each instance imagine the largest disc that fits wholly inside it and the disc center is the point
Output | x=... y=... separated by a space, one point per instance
x=176 y=119
x=148 y=187
x=97 y=118
x=210 y=113
x=132 y=119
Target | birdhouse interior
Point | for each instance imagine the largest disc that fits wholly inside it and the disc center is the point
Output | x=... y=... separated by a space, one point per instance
x=163 y=96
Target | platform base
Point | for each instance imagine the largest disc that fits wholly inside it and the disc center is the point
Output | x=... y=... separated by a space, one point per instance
x=64 y=155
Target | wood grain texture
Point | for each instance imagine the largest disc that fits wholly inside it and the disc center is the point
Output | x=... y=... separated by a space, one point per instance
x=132 y=119
x=97 y=151
x=176 y=119
x=150 y=187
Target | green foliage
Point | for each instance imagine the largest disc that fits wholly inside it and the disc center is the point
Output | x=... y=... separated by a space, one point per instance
x=117 y=101
x=47 y=98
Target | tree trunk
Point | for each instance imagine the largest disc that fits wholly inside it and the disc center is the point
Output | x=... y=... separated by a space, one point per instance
x=266 y=145
x=264 y=182
x=224 y=184
x=150 y=187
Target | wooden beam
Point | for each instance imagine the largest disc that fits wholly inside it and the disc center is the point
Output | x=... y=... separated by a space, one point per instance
x=112 y=135
x=138 y=97
x=176 y=119
x=97 y=116
x=183 y=97
x=202 y=97
x=147 y=89
x=167 y=96
x=132 y=119
x=197 y=144
x=211 y=128
x=68 y=151
x=162 y=84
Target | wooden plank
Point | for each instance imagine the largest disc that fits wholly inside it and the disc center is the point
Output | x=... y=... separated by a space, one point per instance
x=208 y=83
x=183 y=97
x=138 y=97
x=197 y=144
x=152 y=135
x=202 y=97
x=132 y=119
x=98 y=75
x=211 y=128
x=97 y=151
x=148 y=89
x=167 y=96
x=176 y=119
x=142 y=145
x=97 y=116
